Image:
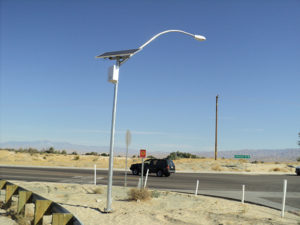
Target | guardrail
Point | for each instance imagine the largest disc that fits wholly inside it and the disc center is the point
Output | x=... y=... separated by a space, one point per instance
x=43 y=206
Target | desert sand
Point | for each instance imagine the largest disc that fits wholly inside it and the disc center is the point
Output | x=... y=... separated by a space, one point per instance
x=187 y=165
x=164 y=207
x=86 y=203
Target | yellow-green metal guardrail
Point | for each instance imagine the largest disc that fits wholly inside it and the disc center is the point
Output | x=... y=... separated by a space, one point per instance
x=60 y=215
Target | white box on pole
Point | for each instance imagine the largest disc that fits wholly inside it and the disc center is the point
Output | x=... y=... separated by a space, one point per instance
x=113 y=74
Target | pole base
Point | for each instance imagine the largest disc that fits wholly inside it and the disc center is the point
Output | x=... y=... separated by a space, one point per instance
x=107 y=210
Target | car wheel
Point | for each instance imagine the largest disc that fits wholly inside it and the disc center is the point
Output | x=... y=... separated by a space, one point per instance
x=159 y=173
x=298 y=174
x=167 y=174
x=135 y=172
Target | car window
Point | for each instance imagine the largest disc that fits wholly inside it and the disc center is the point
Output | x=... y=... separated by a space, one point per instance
x=170 y=162
x=154 y=162
x=162 y=162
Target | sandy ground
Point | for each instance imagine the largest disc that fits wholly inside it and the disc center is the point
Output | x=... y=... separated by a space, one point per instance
x=164 y=208
x=188 y=165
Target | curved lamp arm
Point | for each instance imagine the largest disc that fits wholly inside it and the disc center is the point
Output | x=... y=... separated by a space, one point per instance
x=195 y=36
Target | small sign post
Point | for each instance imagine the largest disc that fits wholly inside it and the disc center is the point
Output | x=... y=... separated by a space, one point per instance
x=142 y=155
x=128 y=141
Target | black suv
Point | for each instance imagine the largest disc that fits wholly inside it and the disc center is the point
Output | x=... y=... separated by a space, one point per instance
x=297 y=170
x=159 y=166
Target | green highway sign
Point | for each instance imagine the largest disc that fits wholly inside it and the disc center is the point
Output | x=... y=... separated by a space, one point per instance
x=242 y=156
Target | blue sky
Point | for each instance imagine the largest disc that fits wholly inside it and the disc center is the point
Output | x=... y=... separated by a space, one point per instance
x=53 y=88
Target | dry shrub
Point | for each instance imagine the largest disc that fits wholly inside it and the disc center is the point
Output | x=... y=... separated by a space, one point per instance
x=216 y=168
x=155 y=194
x=243 y=160
x=139 y=194
x=277 y=169
x=76 y=157
x=98 y=190
x=245 y=209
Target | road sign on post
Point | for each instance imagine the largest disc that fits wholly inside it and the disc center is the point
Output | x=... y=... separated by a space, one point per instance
x=242 y=156
x=142 y=153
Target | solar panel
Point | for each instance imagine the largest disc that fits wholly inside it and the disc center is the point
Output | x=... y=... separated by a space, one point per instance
x=118 y=54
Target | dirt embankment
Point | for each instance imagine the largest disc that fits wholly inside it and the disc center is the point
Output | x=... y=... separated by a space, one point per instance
x=87 y=202
x=188 y=165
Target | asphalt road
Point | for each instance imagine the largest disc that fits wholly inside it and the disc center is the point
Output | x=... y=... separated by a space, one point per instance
x=260 y=189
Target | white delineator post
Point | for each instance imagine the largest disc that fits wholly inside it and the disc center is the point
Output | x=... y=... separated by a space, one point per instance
x=197 y=185
x=95 y=174
x=146 y=178
x=284 y=196
x=243 y=193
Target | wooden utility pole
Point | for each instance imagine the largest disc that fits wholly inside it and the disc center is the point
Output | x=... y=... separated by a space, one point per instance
x=216 y=131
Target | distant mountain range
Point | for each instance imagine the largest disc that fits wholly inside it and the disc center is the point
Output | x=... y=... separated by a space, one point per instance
x=46 y=144
x=290 y=154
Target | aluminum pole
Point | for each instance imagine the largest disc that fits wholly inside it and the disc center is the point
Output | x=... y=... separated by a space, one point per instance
x=111 y=153
x=142 y=173
x=216 y=130
x=125 y=184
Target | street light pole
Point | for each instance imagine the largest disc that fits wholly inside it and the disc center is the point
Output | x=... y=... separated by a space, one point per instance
x=216 y=130
x=121 y=57
x=111 y=152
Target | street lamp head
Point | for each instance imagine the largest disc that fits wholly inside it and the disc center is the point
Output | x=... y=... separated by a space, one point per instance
x=199 y=37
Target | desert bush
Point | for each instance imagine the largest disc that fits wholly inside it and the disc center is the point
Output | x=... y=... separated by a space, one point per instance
x=243 y=160
x=92 y=153
x=76 y=157
x=139 y=194
x=298 y=159
x=216 y=168
x=98 y=190
x=256 y=162
x=104 y=154
x=64 y=152
x=74 y=153
x=27 y=150
x=279 y=169
x=155 y=194
x=178 y=155
x=50 y=150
